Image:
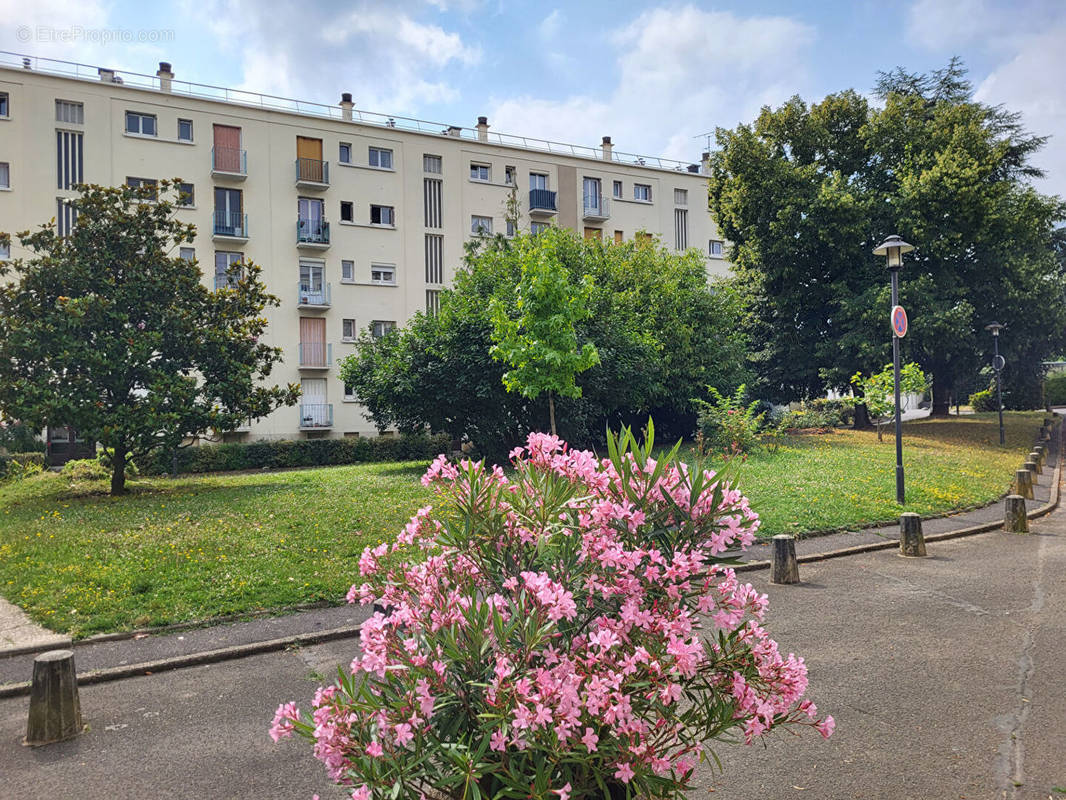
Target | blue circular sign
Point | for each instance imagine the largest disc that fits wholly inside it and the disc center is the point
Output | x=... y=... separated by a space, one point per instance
x=899 y=321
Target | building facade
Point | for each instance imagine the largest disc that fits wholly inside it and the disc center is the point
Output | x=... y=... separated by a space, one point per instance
x=358 y=219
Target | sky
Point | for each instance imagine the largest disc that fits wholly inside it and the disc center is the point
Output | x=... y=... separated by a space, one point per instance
x=656 y=77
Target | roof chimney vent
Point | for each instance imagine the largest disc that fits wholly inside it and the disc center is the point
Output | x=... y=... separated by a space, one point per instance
x=705 y=163
x=346 y=105
x=454 y=130
x=608 y=149
x=26 y=63
x=166 y=76
x=482 y=129
x=106 y=75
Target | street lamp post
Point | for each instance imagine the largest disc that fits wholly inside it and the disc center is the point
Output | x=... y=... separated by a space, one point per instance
x=998 y=362
x=893 y=249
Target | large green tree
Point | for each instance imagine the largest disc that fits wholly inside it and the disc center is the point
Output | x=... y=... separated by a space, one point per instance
x=807 y=191
x=109 y=330
x=662 y=333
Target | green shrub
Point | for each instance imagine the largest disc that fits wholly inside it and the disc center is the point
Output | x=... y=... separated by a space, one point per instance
x=837 y=413
x=85 y=469
x=20 y=465
x=16 y=437
x=808 y=417
x=303 y=453
x=104 y=458
x=1055 y=389
x=727 y=424
x=985 y=400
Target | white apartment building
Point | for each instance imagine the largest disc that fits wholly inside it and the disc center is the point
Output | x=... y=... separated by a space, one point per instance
x=358 y=219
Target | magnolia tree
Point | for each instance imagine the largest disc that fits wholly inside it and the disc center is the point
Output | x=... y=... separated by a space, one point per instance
x=570 y=629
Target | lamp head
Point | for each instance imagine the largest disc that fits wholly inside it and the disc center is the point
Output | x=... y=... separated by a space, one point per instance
x=995 y=327
x=893 y=249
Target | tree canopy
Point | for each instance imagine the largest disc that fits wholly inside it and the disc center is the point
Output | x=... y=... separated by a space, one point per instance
x=807 y=191
x=110 y=331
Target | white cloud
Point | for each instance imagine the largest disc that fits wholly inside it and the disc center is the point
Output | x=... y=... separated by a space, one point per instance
x=681 y=72
x=947 y=24
x=549 y=27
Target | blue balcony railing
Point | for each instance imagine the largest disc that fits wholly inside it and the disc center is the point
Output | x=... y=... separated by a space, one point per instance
x=229 y=160
x=316 y=355
x=541 y=200
x=316 y=415
x=311 y=170
x=313 y=294
x=231 y=223
x=312 y=231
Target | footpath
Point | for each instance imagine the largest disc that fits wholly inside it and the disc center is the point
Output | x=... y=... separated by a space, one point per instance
x=944 y=674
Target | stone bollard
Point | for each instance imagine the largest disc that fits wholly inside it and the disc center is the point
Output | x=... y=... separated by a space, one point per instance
x=1041 y=454
x=55 y=711
x=1034 y=459
x=1014 y=517
x=783 y=565
x=1023 y=483
x=911 y=540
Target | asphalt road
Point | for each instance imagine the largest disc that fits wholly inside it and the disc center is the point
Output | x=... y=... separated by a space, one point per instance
x=947 y=677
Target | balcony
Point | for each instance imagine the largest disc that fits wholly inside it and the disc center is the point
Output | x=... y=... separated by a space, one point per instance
x=542 y=203
x=229 y=226
x=313 y=296
x=315 y=355
x=229 y=162
x=312 y=234
x=316 y=416
x=312 y=173
x=596 y=207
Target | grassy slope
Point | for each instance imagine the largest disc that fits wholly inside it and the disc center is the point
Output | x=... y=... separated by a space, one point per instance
x=198 y=547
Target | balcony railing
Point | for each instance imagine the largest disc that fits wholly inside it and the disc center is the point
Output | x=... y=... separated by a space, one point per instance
x=316 y=355
x=596 y=207
x=542 y=201
x=316 y=416
x=229 y=161
x=311 y=171
x=230 y=223
x=314 y=294
x=312 y=232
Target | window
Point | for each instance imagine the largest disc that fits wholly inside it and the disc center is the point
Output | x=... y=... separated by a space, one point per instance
x=680 y=228
x=481 y=225
x=434 y=258
x=347 y=271
x=186 y=194
x=381 y=158
x=509 y=176
x=349 y=394
x=68 y=159
x=510 y=227
x=383 y=273
x=5 y=175
x=187 y=253
x=345 y=156
x=593 y=233
x=618 y=189
x=347 y=211
x=184 y=130
x=379 y=328
x=5 y=105
x=136 y=183
x=714 y=248
x=223 y=262
x=348 y=332
x=538 y=227
x=5 y=251
x=480 y=172
x=312 y=281
x=382 y=215
x=642 y=192
x=66 y=216
x=431 y=164
x=432 y=201
x=619 y=237
x=680 y=197
x=538 y=181
x=70 y=112
x=143 y=124
x=432 y=301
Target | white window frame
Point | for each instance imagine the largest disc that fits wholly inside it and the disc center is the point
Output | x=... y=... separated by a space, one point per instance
x=480 y=172
x=716 y=252
x=616 y=190
x=5 y=172
x=5 y=251
x=192 y=195
x=347 y=271
x=380 y=327
x=510 y=176
x=141 y=117
x=387 y=275
x=351 y=208
x=70 y=112
x=5 y=105
x=192 y=130
x=349 y=333
x=229 y=262
x=349 y=395
x=187 y=253
x=512 y=229
x=538 y=177
x=637 y=187
x=341 y=153
x=434 y=165
x=382 y=208
x=537 y=228
x=376 y=156
x=680 y=197
x=478 y=226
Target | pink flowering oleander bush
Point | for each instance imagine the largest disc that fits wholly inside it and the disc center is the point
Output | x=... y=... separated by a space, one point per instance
x=568 y=630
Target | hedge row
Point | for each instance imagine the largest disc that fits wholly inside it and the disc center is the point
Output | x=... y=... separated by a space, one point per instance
x=1055 y=389
x=16 y=463
x=305 y=453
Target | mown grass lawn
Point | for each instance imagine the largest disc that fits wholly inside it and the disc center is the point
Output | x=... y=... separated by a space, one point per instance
x=199 y=547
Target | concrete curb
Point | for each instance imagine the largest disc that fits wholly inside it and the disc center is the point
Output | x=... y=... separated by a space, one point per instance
x=194 y=659
x=57 y=642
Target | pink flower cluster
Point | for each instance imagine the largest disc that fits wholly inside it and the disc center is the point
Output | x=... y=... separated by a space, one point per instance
x=557 y=616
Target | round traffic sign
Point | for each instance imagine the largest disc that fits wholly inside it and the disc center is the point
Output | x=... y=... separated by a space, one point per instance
x=998 y=362
x=899 y=321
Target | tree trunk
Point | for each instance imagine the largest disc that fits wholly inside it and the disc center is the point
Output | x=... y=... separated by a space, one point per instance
x=551 y=412
x=941 y=406
x=118 y=470
x=862 y=418
x=880 y=429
